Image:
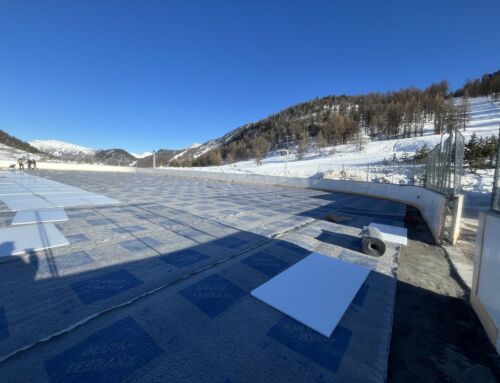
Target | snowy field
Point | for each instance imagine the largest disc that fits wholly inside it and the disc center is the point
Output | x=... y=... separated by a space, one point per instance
x=8 y=153
x=346 y=161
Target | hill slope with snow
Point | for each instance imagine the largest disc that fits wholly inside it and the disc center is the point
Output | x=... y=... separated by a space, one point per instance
x=8 y=153
x=484 y=121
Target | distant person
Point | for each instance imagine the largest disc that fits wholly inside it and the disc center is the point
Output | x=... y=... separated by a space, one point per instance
x=33 y=163
x=20 y=163
x=29 y=162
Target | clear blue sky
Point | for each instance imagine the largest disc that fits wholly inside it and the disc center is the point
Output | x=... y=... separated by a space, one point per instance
x=143 y=75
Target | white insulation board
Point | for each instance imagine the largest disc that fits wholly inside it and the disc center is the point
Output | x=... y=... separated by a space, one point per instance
x=23 y=239
x=20 y=191
x=394 y=234
x=36 y=216
x=28 y=202
x=315 y=291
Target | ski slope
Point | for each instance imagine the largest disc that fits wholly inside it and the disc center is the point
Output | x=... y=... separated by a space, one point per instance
x=367 y=164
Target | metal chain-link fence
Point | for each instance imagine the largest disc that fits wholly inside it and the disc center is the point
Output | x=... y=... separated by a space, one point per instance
x=443 y=165
x=439 y=170
x=391 y=171
x=457 y=163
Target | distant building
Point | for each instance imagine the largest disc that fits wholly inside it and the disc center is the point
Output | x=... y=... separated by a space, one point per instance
x=283 y=152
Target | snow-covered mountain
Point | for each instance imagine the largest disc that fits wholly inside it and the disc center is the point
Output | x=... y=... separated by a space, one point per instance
x=196 y=150
x=165 y=157
x=64 y=150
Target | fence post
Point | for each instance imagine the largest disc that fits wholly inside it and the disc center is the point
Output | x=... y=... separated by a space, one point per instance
x=495 y=194
x=413 y=176
x=456 y=215
x=393 y=167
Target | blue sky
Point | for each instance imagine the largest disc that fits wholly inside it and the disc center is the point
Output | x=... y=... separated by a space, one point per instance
x=143 y=75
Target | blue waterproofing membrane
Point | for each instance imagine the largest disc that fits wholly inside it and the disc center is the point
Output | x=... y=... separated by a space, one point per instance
x=208 y=244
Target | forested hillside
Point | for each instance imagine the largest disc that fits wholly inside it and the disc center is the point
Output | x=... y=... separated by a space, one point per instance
x=163 y=156
x=118 y=157
x=488 y=85
x=16 y=143
x=336 y=120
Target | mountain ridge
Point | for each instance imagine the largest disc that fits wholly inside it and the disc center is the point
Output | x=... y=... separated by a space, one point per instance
x=329 y=120
x=67 y=151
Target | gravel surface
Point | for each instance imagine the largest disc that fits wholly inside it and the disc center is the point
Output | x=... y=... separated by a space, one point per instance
x=436 y=336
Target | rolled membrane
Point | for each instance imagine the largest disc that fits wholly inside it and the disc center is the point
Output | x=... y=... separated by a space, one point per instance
x=372 y=242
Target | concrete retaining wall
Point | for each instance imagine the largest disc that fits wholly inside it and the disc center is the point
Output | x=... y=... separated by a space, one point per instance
x=486 y=280
x=431 y=205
